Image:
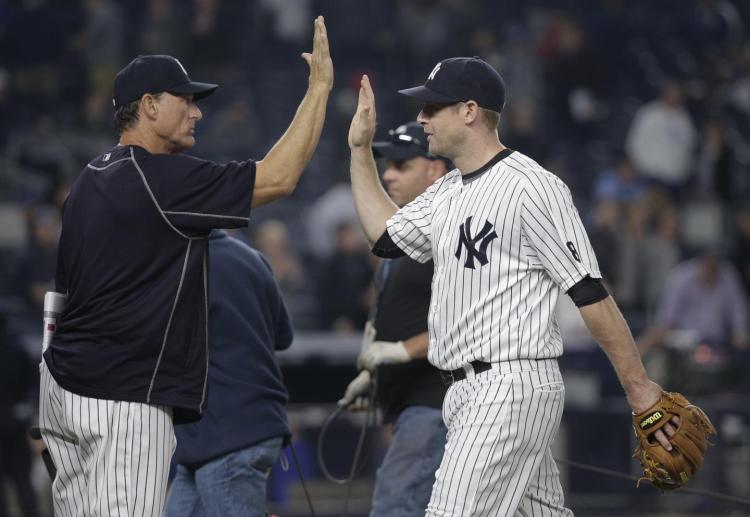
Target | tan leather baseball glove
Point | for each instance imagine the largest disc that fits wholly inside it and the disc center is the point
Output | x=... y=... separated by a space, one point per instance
x=668 y=470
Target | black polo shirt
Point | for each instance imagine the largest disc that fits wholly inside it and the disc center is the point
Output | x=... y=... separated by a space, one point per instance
x=402 y=308
x=133 y=260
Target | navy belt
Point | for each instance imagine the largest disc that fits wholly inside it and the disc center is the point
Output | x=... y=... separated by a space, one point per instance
x=451 y=376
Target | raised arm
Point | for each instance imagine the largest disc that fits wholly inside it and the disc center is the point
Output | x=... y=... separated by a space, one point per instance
x=373 y=205
x=278 y=172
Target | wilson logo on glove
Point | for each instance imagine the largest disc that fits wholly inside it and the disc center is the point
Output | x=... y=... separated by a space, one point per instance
x=651 y=420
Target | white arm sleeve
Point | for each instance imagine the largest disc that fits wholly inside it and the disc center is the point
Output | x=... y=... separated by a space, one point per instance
x=411 y=227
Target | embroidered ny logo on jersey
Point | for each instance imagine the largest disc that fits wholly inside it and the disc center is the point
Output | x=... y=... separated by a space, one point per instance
x=470 y=243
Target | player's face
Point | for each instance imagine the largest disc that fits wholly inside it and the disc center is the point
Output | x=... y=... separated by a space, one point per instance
x=405 y=180
x=176 y=121
x=442 y=127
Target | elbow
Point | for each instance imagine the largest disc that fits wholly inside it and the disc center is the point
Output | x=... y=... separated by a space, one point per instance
x=286 y=188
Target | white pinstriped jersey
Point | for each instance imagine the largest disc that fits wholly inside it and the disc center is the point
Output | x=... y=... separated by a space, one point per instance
x=505 y=240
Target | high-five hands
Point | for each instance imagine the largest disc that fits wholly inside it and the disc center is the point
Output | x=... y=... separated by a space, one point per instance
x=362 y=128
x=320 y=63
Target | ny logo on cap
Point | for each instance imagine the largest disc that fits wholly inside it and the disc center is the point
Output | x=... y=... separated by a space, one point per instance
x=434 y=72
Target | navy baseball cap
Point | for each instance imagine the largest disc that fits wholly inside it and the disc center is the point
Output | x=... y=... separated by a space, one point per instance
x=156 y=74
x=459 y=79
x=406 y=142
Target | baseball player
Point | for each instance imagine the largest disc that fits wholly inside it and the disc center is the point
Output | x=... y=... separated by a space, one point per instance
x=223 y=460
x=409 y=389
x=506 y=239
x=129 y=356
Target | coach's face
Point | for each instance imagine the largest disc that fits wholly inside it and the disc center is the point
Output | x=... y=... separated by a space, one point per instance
x=175 y=121
x=406 y=179
x=442 y=125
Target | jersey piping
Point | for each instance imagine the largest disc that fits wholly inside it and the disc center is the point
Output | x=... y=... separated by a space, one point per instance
x=169 y=324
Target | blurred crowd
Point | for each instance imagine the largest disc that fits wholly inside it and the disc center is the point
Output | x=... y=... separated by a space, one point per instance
x=642 y=108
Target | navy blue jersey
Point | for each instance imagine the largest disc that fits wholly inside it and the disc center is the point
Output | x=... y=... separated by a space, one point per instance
x=133 y=261
x=248 y=323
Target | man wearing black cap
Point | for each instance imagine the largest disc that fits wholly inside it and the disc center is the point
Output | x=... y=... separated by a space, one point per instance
x=506 y=239
x=408 y=389
x=129 y=355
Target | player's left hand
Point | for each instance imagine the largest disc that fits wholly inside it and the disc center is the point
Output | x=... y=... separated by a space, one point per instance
x=647 y=397
x=362 y=128
x=383 y=352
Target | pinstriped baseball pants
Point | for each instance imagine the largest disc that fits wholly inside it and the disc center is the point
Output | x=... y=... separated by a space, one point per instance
x=497 y=459
x=112 y=457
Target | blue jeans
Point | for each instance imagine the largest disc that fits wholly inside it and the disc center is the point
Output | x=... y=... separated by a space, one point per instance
x=404 y=481
x=231 y=485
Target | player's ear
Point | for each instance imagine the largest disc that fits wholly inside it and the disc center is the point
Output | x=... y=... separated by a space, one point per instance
x=149 y=105
x=470 y=111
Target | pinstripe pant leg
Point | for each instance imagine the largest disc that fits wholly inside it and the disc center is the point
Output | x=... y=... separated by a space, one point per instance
x=69 y=491
x=112 y=457
x=132 y=462
x=500 y=427
x=544 y=496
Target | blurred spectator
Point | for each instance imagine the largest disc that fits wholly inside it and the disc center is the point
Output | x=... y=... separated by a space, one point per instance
x=704 y=296
x=288 y=21
x=40 y=152
x=344 y=288
x=272 y=240
x=520 y=129
x=163 y=31
x=6 y=113
x=433 y=25
x=661 y=253
x=17 y=380
x=213 y=29
x=520 y=66
x=661 y=139
x=577 y=76
x=605 y=235
x=631 y=261
x=236 y=118
x=40 y=259
x=741 y=254
x=620 y=183
x=715 y=163
x=101 y=44
x=329 y=211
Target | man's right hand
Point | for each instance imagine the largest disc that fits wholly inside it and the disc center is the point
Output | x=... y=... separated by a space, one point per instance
x=321 y=65
x=362 y=128
x=357 y=394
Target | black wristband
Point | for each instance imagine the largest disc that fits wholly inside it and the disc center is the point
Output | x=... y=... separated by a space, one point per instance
x=588 y=291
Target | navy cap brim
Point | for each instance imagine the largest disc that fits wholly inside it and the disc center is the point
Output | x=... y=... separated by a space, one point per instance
x=424 y=94
x=396 y=152
x=199 y=90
